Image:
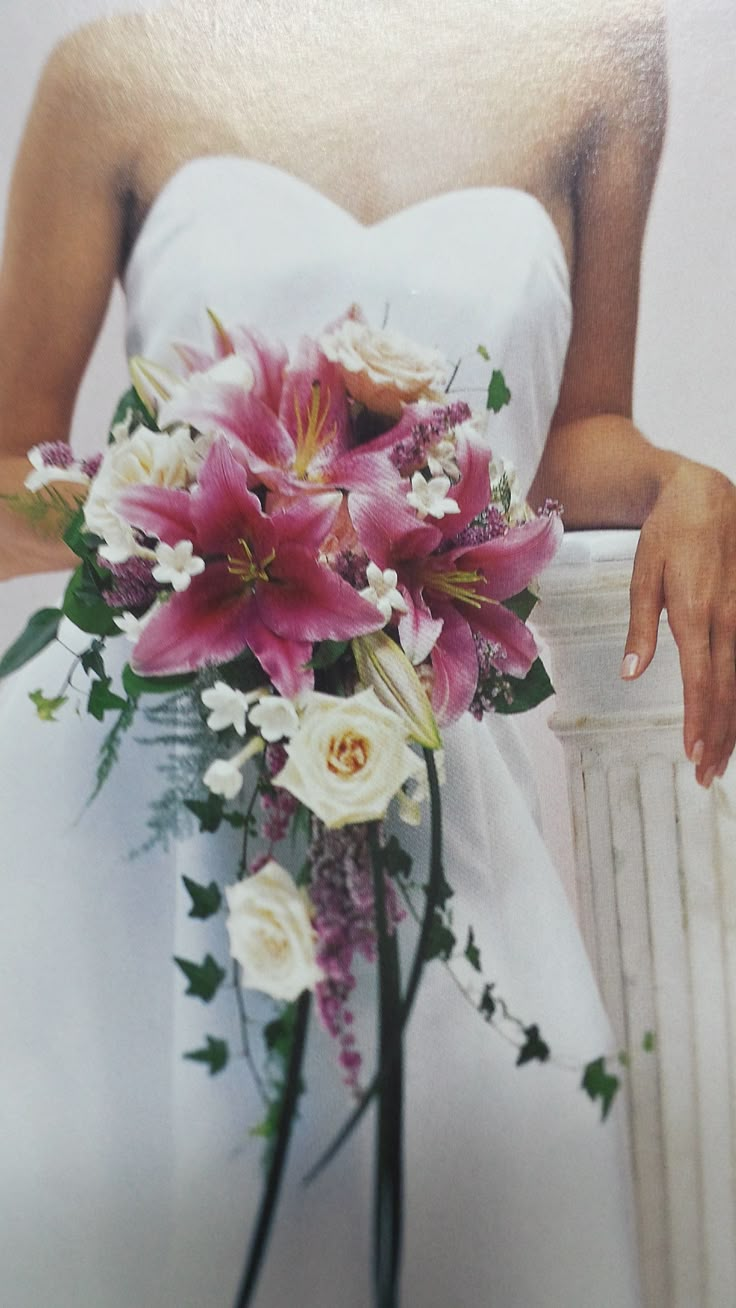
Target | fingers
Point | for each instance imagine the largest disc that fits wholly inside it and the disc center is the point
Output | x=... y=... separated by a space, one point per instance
x=646 y=596
x=722 y=725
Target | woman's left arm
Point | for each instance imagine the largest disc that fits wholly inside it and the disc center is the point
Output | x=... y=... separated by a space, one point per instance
x=597 y=463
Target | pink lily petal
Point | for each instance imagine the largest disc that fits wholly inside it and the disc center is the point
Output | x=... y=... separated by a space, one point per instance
x=223 y=509
x=159 y=511
x=418 y=629
x=388 y=528
x=307 y=519
x=501 y=626
x=207 y=623
x=316 y=419
x=193 y=358
x=454 y=665
x=472 y=492
x=304 y=600
x=282 y=660
x=268 y=359
x=510 y=562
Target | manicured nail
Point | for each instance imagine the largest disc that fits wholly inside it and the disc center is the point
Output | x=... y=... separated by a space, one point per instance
x=697 y=752
x=630 y=665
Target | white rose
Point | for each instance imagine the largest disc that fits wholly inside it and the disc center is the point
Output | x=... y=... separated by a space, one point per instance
x=271 y=935
x=383 y=369
x=148 y=458
x=348 y=758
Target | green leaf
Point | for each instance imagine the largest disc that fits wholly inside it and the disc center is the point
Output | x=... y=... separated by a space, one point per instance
x=206 y=900
x=110 y=747
x=204 y=978
x=440 y=942
x=519 y=694
x=498 y=392
x=84 y=606
x=39 y=632
x=46 y=708
x=92 y=660
x=141 y=416
x=534 y=1048
x=442 y=890
x=472 y=952
x=102 y=699
x=396 y=860
x=77 y=538
x=600 y=1084
x=135 y=685
x=208 y=812
x=487 y=1005
x=482 y=351
x=327 y=653
x=649 y=1042
x=522 y=604
x=215 y=1054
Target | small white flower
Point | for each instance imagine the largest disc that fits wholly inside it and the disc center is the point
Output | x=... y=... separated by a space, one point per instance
x=177 y=564
x=130 y=625
x=381 y=591
x=429 y=498
x=45 y=474
x=229 y=706
x=223 y=777
x=274 y=717
x=271 y=933
x=441 y=459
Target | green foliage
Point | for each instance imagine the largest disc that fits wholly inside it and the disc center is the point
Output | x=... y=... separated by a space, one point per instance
x=483 y=352
x=102 y=699
x=278 y=1037
x=46 y=708
x=206 y=900
x=110 y=747
x=132 y=402
x=75 y=536
x=472 y=952
x=39 y=632
x=208 y=812
x=522 y=604
x=135 y=685
x=498 y=392
x=45 y=510
x=396 y=860
x=534 y=1048
x=444 y=890
x=649 y=1043
x=92 y=660
x=215 y=1054
x=598 y=1083
x=517 y=694
x=204 y=978
x=327 y=652
x=487 y=1004
x=441 y=940
x=83 y=603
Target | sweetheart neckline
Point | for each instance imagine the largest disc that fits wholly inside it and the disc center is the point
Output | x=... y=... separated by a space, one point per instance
x=367 y=229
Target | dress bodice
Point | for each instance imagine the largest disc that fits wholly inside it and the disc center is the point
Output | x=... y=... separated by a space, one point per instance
x=478 y=266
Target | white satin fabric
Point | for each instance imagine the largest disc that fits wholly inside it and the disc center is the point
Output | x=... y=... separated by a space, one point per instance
x=127 y=1176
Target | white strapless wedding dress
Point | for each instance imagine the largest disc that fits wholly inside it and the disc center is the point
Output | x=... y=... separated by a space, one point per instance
x=127 y=1176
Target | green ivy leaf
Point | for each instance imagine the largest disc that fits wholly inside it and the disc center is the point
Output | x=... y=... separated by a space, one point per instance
x=208 y=812
x=396 y=860
x=327 y=653
x=482 y=351
x=83 y=603
x=92 y=660
x=487 y=1005
x=472 y=952
x=102 y=699
x=39 y=632
x=135 y=685
x=141 y=416
x=441 y=940
x=46 y=708
x=649 y=1042
x=215 y=1054
x=526 y=692
x=498 y=392
x=204 y=978
x=444 y=893
x=206 y=900
x=522 y=604
x=534 y=1048
x=600 y=1084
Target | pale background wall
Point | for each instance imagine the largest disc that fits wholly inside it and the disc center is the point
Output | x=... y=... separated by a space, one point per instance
x=686 y=379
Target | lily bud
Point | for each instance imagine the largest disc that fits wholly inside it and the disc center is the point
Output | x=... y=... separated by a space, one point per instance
x=383 y=665
x=153 y=384
x=222 y=336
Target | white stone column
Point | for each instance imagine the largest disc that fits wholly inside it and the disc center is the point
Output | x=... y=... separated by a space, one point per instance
x=655 y=862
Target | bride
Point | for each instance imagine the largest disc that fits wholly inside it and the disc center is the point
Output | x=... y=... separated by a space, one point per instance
x=474 y=174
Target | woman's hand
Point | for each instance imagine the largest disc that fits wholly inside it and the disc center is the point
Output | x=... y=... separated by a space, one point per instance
x=686 y=563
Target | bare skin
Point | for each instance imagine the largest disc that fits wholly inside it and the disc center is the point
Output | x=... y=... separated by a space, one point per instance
x=378 y=109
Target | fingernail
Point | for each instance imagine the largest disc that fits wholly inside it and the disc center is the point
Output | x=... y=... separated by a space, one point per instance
x=697 y=752
x=630 y=665
x=707 y=779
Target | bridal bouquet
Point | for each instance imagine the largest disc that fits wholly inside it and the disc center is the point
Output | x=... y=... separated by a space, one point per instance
x=322 y=555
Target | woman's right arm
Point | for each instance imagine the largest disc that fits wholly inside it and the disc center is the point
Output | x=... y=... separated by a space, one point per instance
x=62 y=249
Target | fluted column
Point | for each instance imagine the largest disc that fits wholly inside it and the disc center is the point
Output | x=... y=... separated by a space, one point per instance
x=655 y=862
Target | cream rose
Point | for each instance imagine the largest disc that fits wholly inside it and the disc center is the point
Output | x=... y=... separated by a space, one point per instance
x=271 y=935
x=348 y=758
x=383 y=369
x=147 y=458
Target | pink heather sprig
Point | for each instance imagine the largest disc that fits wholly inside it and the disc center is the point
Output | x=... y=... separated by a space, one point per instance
x=277 y=805
x=341 y=891
x=91 y=466
x=410 y=454
x=133 y=585
x=489 y=524
x=56 y=454
x=491 y=683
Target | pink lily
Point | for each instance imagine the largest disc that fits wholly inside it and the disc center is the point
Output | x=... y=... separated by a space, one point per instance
x=263 y=587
